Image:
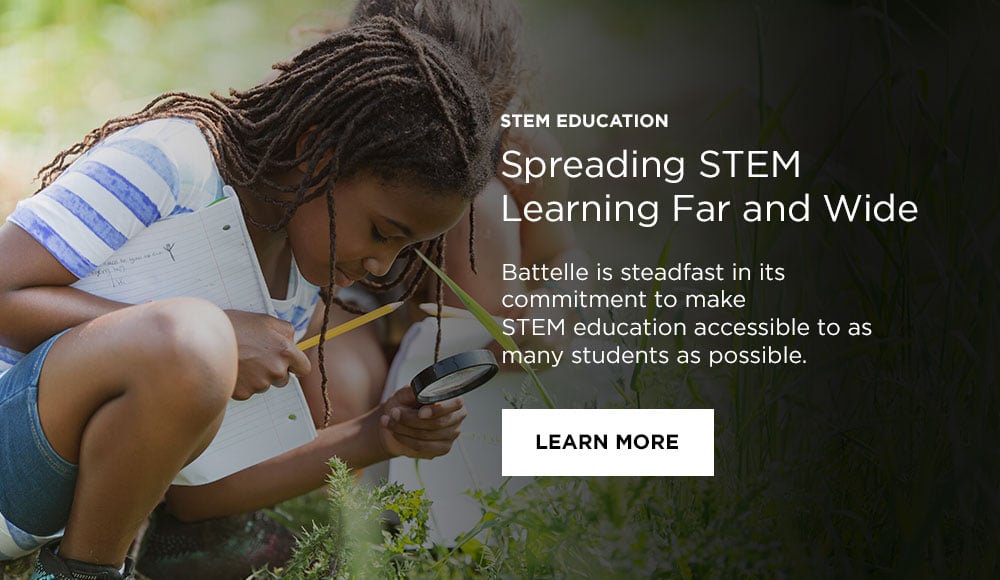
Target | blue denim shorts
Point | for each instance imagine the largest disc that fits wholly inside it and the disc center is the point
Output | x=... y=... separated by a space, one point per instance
x=36 y=484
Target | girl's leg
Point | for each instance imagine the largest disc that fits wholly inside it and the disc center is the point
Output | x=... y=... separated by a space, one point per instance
x=241 y=543
x=132 y=397
x=356 y=368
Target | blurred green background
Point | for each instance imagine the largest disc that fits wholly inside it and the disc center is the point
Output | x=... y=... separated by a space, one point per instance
x=69 y=65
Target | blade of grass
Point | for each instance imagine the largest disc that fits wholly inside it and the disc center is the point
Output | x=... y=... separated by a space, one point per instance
x=650 y=314
x=491 y=325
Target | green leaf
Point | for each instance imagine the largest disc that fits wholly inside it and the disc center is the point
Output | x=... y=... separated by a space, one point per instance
x=481 y=314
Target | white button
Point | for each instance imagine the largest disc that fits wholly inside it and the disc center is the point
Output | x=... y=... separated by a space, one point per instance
x=594 y=442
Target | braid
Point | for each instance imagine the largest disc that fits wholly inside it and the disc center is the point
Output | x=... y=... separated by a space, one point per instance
x=472 y=237
x=321 y=354
x=376 y=98
x=439 y=298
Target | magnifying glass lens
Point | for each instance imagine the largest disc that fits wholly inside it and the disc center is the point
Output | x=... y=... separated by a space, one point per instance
x=454 y=376
x=453 y=382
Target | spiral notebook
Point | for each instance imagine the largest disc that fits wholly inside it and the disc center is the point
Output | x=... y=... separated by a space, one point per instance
x=208 y=254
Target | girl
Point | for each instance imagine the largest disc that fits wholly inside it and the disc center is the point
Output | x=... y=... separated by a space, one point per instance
x=489 y=32
x=370 y=141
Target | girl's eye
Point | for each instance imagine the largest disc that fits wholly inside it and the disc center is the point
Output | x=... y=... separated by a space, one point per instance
x=378 y=237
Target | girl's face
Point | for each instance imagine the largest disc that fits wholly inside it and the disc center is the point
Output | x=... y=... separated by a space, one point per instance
x=374 y=221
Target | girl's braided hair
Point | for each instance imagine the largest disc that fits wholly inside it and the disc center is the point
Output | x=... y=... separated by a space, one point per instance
x=379 y=97
x=489 y=32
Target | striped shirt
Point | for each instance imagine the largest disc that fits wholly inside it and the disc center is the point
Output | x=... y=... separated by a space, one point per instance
x=130 y=180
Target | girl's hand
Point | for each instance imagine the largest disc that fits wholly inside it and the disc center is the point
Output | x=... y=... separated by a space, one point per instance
x=423 y=432
x=267 y=353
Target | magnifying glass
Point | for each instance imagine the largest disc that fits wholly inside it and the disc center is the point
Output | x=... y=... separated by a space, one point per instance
x=454 y=376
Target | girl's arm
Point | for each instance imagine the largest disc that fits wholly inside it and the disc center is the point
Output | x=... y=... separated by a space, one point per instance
x=36 y=300
x=396 y=427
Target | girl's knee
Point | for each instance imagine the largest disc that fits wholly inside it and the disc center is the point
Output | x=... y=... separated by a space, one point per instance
x=173 y=361
x=358 y=388
x=189 y=344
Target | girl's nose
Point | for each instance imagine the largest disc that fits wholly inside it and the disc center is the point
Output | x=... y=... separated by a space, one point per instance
x=378 y=266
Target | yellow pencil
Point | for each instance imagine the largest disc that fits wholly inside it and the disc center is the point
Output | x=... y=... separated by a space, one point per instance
x=446 y=311
x=350 y=324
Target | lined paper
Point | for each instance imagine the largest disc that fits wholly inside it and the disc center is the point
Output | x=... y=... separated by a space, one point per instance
x=208 y=254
